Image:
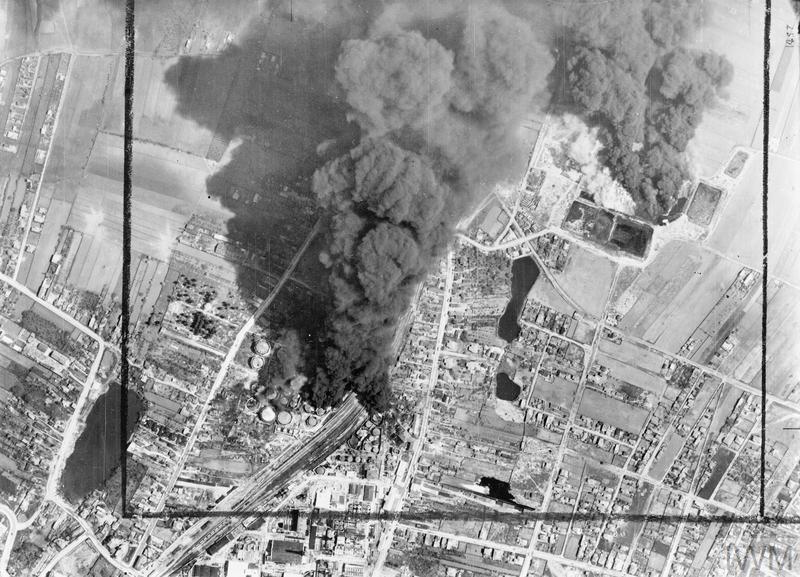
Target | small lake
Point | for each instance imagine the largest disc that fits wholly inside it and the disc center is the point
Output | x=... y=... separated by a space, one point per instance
x=524 y=273
x=498 y=489
x=97 y=450
x=507 y=389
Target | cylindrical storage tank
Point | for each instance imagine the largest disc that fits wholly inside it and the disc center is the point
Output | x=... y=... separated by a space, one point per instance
x=320 y=470
x=307 y=408
x=250 y=404
x=267 y=415
x=312 y=421
x=262 y=347
x=284 y=417
x=272 y=395
x=320 y=412
x=256 y=362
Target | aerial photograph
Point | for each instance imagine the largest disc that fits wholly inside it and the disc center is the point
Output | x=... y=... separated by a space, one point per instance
x=400 y=288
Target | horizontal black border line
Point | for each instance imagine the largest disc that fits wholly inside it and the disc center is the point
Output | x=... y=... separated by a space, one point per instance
x=411 y=516
x=472 y=515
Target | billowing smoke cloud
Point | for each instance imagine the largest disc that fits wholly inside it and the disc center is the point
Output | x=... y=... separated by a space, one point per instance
x=583 y=147
x=440 y=116
x=500 y=67
x=395 y=81
x=390 y=216
x=627 y=73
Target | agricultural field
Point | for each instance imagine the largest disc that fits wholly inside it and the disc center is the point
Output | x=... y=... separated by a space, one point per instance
x=612 y=411
x=631 y=371
x=674 y=293
x=783 y=323
x=559 y=392
x=735 y=29
x=738 y=235
x=587 y=278
x=156 y=117
x=704 y=204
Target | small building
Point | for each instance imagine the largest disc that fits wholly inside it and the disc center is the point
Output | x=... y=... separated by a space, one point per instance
x=206 y=571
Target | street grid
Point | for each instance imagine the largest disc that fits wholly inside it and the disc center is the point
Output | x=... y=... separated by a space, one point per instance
x=400 y=516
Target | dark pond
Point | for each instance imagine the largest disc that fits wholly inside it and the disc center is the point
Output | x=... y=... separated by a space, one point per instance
x=97 y=450
x=524 y=273
x=507 y=389
x=723 y=459
x=497 y=489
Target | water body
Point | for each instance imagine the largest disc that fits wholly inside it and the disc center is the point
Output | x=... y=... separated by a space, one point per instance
x=524 y=273
x=97 y=450
x=507 y=389
x=498 y=489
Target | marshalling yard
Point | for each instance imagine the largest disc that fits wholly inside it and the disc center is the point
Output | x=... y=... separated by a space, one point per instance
x=628 y=383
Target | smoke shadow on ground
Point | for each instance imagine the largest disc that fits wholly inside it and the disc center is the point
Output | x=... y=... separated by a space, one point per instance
x=272 y=99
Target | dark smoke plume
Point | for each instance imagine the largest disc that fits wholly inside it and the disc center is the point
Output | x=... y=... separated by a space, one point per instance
x=396 y=81
x=390 y=217
x=440 y=115
x=628 y=73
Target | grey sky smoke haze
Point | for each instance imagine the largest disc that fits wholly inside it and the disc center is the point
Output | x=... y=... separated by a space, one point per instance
x=395 y=81
x=441 y=115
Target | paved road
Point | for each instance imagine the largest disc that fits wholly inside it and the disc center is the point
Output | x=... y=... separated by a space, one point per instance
x=262 y=486
x=71 y=432
x=386 y=539
x=11 y=536
x=87 y=529
x=28 y=224
x=49 y=306
x=226 y=363
x=60 y=555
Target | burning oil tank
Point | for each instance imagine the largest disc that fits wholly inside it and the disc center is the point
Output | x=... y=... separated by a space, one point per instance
x=262 y=348
x=267 y=414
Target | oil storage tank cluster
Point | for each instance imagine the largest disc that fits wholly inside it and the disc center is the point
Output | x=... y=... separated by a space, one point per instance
x=261 y=350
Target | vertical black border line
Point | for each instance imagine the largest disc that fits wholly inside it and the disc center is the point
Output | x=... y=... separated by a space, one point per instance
x=765 y=248
x=126 y=251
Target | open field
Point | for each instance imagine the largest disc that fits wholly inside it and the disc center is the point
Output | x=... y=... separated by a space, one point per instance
x=156 y=117
x=673 y=294
x=544 y=292
x=669 y=451
x=735 y=29
x=630 y=373
x=612 y=411
x=82 y=192
x=783 y=347
x=738 y=233
x=633 y=355
x=704 y=204
x=81 y=114
x=559 y=392
x=587 y=279
x=186 y=26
